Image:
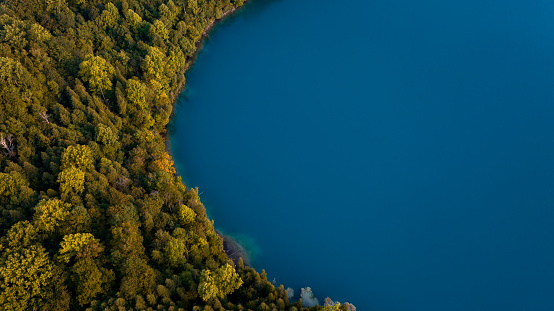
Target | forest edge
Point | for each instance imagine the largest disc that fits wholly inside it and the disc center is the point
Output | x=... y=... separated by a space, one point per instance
x=231 y=247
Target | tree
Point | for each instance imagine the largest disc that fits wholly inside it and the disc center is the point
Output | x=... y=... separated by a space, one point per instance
x=39 y=33
x=106 y=136
x=97 y=72
x=8 y=145
x=50 y=213
x=175 y=252
x=109 y=16
x=330 y=305
x=158 y=28
x=220 y=283
x=12 y=72
x=72 y=179
x=74 y=243
x=186 y=215
x=22 y=234
x=168 y=12
x=136 y=94
x=155 y=66
x=24 y=279
x=10 y=185
x=192 y=6
x=90 y=280
x=77 y=156
x=133 y=18
x=15 y=197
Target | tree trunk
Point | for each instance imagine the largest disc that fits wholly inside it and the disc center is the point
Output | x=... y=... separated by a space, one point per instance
x=103 y=95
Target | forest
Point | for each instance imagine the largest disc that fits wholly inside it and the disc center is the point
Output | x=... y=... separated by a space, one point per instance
x=93 y=214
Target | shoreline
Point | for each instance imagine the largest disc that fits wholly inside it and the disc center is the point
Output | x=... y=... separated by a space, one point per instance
x=189 y=61
x=231 y=247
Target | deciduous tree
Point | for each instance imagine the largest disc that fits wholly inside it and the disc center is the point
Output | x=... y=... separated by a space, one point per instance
x=25 y=277
x=219 y=283
x=72 y=179
x=50 y=213
x=97 y=72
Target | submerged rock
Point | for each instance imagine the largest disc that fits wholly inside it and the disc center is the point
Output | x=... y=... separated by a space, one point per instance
x=308 y=299
x=290 y=292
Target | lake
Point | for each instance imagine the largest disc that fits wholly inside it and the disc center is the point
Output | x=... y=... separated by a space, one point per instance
x=398 y=155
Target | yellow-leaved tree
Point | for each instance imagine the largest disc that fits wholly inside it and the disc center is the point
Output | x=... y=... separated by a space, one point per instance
x=50 y=213
x=24 y=279
x=77 y=156
x=219 y=283
x=97 y=72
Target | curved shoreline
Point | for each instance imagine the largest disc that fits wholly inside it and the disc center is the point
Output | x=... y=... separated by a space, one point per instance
x=234 y=249
x=231 y=247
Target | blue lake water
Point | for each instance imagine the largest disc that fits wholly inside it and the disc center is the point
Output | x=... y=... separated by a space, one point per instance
x=395 y=154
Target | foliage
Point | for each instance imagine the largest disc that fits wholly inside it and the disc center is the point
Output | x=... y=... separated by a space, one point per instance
x=50 y=213
x=74 y=243
x=24 y=279
x=186 y=215
x=72 y=179
x=79 y=157
x=136 y=92
x=97 y=72
x=221 y=282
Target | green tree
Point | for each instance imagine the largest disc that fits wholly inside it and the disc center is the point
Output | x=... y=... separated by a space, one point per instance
x=56 y=6
x=90 y=279
x=192 y=6
x=220 y=283
x=109 y=17
x=133 y=18
x=77 y=156
x=10 y=185
x=39 y=33
x=12 y=72
x=50 y=213
x=168 y=12
x=106 y=136
x=158 y=28
x=155 y=66
x=22 y=234
x=15 y=198
x=186 y=215
x=97 y=72
x=25 y=277
x=175 y=252
x=136 y=94
x=74 y=243
x=72 y=179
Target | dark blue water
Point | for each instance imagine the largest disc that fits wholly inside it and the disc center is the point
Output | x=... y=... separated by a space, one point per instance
x=395 y=154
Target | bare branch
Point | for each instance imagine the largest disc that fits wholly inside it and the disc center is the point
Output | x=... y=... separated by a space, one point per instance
x=44 y=116
x=8 y=145
x=122 y=183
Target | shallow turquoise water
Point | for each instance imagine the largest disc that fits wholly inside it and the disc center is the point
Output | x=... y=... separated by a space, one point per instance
x=395 y=154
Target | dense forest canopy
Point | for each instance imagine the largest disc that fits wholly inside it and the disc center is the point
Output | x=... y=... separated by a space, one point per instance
x=93 y=214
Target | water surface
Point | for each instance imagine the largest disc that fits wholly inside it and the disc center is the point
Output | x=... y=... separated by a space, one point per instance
x=395 y=154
